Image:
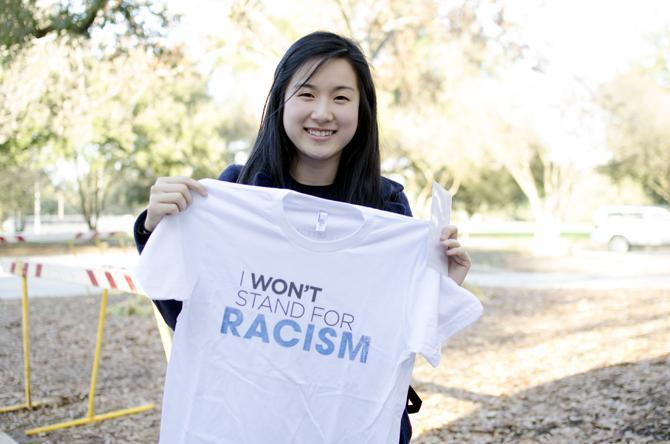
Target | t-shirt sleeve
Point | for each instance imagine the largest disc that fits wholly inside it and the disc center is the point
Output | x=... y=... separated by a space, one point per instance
x=439 y=309
x=168 y=266
x=458 y=308
x=422 y=315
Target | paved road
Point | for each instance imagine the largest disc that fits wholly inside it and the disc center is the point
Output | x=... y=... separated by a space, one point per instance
x=499 y=278
x=6 y=439
x=10 y=286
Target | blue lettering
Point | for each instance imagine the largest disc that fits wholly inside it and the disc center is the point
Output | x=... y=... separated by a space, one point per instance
x=347 y=344
x=329 y=346
x=308 y=337
x=258 y=328
x=233 y=318
x=231 y=323
x=277 y=332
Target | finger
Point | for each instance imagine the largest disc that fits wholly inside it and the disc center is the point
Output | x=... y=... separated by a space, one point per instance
x=197 y=187
x=156 y=212
x=192 y=184
x=450 y=243
x=172 y=179
x=458 y=251
x=166 y=208
x=459 y=255
x=174 y=188
x=173 y=198
x=449 y=232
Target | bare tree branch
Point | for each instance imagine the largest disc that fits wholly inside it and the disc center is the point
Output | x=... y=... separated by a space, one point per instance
x=78 y=26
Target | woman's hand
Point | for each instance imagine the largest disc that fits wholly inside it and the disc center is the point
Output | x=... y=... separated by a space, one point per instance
x=459 y=261
x=170 y=195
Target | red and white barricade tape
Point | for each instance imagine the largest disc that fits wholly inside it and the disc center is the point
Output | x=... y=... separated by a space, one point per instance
x=12 y=239
x=106 y=277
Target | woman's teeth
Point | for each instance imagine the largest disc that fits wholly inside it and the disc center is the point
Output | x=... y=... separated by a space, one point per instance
x=320 y=133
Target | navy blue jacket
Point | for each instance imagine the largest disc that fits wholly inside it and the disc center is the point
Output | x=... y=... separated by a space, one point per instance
x=393 y=200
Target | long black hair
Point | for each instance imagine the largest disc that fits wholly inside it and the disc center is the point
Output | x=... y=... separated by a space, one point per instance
x=358 y=178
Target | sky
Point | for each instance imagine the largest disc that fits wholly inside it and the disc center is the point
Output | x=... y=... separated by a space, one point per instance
x=594 y=39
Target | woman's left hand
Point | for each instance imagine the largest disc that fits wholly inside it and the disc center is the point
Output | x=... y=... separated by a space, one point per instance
x=459 y=261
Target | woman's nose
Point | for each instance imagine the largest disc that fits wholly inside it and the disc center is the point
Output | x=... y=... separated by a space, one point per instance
x=321 y=111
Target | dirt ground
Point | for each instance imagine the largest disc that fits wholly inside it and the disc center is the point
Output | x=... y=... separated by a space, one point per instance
x=63 y=333
x=539 y=367
x=553 y=367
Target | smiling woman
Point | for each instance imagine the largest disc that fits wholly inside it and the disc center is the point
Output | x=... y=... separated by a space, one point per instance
x=318 y=136
x=320 y=118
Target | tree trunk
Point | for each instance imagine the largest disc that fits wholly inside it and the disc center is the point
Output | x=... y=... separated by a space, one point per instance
x=547 y=232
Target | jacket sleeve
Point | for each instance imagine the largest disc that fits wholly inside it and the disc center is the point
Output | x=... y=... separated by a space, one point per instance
x=401 y=199
x=394 y=199
x=169 y=308
x=139 y=233
x=231 y=173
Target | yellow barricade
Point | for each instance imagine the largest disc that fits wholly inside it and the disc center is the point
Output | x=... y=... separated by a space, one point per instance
x=106 y=279
x=29 y=403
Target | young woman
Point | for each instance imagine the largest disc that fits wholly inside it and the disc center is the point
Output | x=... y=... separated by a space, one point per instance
x=318 y=136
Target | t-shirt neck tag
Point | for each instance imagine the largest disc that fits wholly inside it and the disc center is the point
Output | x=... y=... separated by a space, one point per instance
x=321 y=220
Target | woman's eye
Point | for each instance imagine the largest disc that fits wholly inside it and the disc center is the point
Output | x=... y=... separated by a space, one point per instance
x=305 y=94
x=342 y=98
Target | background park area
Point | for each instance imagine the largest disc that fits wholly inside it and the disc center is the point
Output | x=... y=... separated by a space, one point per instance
x=535 y=115
x=571 y=348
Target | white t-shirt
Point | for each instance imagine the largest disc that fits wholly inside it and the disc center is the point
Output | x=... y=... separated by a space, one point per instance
x=301 y=317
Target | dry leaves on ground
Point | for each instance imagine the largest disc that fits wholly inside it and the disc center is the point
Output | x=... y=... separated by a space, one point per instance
x=539 y=367
x=553 y=367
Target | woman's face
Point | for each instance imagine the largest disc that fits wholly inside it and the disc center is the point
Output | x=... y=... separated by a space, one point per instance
x=321 y=116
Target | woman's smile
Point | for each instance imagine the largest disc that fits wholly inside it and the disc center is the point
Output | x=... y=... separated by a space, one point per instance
x=320 y=134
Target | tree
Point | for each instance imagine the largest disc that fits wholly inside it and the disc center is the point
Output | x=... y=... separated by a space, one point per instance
x=638 y=130
x=24 y=130
x=132 y=115
x=493 y=189
x=421 y=53
x=26 y=20
x=544 y=129
x=17 y=183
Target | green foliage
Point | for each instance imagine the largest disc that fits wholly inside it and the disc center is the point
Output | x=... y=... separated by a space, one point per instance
x=492 y=189
x=424 y=56
x=129 y=21
x=639 y=130
x=98 y=111
x=16 y=198
x=114 y=122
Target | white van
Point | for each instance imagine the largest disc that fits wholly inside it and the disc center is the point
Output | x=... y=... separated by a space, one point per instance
x=625 y=226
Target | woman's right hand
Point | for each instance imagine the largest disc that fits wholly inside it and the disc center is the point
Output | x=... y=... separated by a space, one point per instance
x=170 y=195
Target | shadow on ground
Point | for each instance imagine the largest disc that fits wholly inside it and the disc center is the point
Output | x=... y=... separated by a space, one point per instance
x=622 y=403
x=521 y=318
